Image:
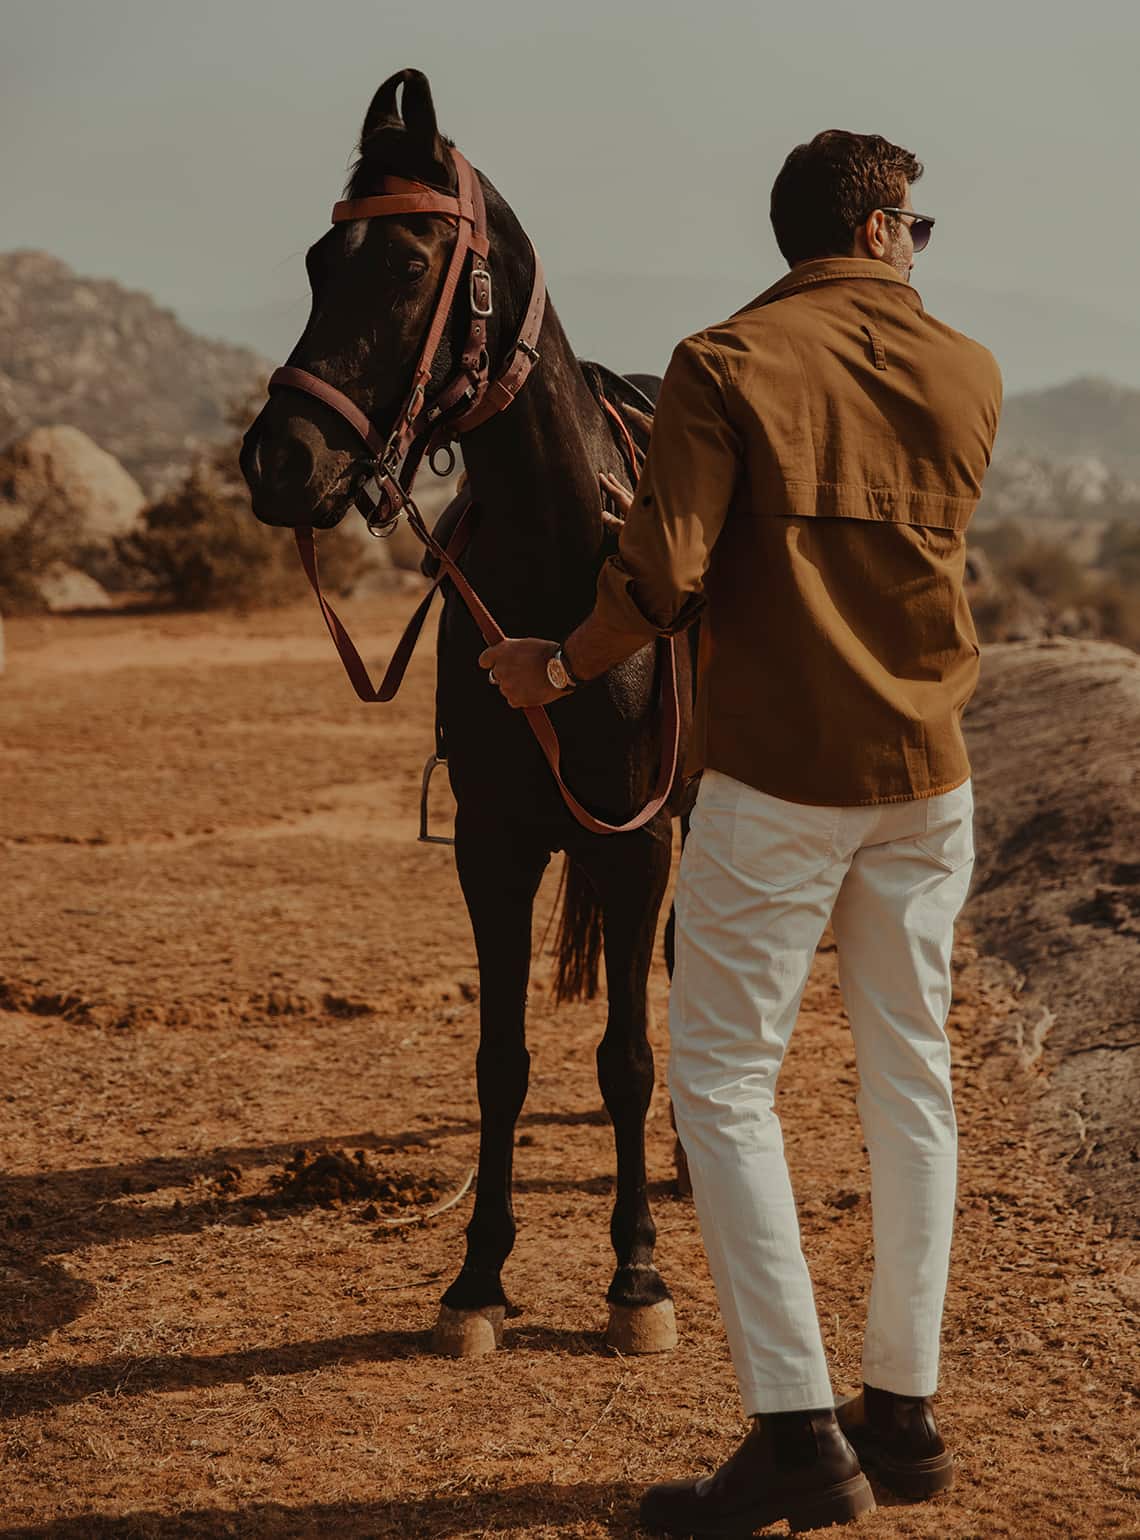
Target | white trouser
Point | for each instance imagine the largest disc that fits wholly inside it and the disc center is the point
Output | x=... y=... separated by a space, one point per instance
x=759 y=880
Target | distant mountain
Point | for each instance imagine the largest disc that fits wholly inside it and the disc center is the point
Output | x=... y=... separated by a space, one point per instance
x=1085 y=419
x=90 y=354
x=102 y=358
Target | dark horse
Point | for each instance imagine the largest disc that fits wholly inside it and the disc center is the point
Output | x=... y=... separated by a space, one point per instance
x=538 y=544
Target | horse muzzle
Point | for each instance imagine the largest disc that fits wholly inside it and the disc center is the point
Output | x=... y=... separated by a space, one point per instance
x=294 y=478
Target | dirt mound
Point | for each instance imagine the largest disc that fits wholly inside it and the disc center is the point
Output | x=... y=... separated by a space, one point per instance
x=333 y=1178
x=112 y=362
x=1053 y=735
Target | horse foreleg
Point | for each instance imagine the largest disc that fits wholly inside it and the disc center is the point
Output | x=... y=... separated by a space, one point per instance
x=630 y=883
x=499 y=879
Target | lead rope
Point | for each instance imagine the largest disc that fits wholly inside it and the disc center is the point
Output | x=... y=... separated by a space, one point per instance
x=492 y=633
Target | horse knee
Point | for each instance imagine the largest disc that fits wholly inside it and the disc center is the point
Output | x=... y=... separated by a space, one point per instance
x=502 y=1074
x=625 y=1074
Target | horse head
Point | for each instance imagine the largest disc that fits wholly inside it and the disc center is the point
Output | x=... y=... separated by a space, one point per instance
x=375 y=284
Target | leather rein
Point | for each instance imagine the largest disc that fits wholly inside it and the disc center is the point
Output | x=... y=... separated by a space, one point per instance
x=468 y=399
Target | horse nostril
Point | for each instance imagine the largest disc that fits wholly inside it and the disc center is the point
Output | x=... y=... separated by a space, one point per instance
x=289 y=462
x=250 y=458
x=300 y=462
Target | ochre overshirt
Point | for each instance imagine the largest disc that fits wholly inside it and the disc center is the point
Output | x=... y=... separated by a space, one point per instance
x=813 y=466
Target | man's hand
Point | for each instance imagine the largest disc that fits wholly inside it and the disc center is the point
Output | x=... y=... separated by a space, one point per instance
x=622 y=496
x=518 y=667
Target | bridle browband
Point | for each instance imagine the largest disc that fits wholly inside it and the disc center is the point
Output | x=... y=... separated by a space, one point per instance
x=466 y=401
x=470 y=396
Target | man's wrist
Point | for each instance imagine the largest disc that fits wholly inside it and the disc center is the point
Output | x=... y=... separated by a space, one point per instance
x=572 y=672
x=596 y=647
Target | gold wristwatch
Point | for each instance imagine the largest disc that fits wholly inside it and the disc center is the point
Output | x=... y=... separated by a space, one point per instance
x=559 y=673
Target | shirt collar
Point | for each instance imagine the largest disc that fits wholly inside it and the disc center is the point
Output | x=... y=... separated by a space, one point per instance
x=808 y=275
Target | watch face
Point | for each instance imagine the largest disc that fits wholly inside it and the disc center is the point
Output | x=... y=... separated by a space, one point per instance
x=556 y=673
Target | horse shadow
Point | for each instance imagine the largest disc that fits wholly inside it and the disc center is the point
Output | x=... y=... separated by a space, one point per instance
x=608 y=1506
x=26 y=1392
x=45 y=1215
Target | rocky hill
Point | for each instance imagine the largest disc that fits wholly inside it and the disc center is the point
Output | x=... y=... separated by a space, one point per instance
x=91 y=354
x=1085 y=419
x=1052 y=734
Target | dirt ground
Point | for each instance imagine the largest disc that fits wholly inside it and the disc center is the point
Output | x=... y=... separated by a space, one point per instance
x=222 y=945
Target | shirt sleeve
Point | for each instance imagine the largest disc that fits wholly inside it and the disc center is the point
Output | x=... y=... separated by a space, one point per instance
x=653 y=586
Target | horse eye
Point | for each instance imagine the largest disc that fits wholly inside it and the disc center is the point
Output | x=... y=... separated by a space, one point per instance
x=405 y=267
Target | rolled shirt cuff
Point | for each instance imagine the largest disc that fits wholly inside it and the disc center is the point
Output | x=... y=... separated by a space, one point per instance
x=619 y=606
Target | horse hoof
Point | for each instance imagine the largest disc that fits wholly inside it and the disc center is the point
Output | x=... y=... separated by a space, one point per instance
x=468 y=1333
x=642 y=1328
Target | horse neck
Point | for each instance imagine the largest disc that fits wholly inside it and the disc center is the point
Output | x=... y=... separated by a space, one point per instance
x=534 y=468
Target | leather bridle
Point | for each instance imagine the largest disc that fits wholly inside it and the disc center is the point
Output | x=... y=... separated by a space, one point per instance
x=467 y=400
x=470 y=397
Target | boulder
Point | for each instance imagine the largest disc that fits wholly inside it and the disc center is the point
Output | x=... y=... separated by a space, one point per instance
x=68 y=501
x=60 y=474
x=65 y=588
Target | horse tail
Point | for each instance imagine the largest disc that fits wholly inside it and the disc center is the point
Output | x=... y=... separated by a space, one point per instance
x=579 y=944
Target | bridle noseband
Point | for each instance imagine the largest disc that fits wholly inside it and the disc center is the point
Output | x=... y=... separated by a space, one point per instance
x=470 y=396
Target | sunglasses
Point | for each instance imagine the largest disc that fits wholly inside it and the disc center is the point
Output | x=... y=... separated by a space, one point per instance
x=920 y=228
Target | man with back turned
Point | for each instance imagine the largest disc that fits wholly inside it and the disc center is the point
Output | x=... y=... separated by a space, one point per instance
x=815 y=461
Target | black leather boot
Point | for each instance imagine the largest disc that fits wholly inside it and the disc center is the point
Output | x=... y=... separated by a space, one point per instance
x=898 y=1440
x=793 y=1465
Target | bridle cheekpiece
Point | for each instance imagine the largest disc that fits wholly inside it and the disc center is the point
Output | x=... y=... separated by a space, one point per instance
x=470 y=396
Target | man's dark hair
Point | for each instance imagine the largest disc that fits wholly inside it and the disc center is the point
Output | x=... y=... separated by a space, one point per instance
x=827 y=188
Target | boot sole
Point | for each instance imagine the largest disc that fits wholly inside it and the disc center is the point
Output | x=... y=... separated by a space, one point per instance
x=916 y=1479
x=840 y=1504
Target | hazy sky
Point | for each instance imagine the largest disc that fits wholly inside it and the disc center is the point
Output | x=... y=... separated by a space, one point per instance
x=193 y=147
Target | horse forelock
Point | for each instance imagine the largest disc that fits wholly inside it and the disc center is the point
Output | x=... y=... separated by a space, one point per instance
x=385 y=153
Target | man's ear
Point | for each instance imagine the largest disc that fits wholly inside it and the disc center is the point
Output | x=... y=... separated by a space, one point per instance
x=400 y=131
x=872 y=237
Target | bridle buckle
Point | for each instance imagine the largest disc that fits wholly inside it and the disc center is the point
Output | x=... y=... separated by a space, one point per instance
x=391 y=499
x=480 y=289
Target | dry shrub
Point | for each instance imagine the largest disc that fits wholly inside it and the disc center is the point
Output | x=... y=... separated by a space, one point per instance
x=201 y=547
x=1120 y=552
x=26 y=553
x=1031 y=574
x=1048 y=570
x=1117 y=602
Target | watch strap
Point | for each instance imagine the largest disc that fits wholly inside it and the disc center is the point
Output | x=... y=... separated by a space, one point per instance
x=565 y=662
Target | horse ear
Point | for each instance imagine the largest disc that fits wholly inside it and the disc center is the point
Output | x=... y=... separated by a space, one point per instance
x=383 y=111
x=406 y=132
